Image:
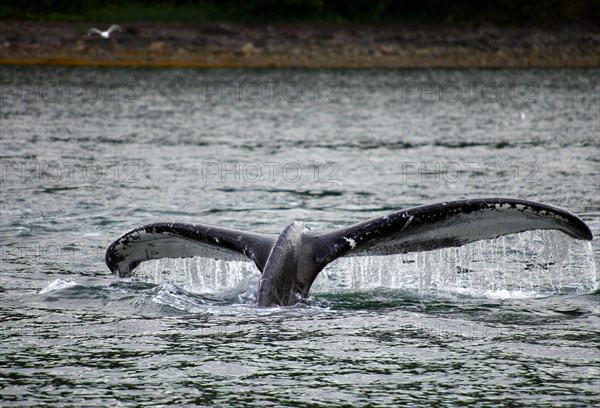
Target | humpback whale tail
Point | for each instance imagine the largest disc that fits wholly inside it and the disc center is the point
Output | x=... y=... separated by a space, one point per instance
x=290 y=262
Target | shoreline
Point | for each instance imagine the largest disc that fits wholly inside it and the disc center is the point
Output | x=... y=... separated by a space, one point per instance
x=300 y=45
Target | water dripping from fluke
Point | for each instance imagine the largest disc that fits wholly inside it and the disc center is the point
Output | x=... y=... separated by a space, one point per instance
x=524 y=265
x=528 y=264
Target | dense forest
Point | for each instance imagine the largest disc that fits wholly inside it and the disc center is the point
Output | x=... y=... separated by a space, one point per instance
x=530 y=12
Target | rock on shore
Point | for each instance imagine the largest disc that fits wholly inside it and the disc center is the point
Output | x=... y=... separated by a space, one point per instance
x=299 y=45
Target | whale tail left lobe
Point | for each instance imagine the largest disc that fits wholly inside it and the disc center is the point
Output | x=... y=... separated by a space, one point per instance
x=179 y=240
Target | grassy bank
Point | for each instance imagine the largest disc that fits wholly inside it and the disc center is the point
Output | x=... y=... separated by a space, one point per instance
x=530 y=12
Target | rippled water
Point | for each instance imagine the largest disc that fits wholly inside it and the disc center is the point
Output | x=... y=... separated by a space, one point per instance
x=88 y=153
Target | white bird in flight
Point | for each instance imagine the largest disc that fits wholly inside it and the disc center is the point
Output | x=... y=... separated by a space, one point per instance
x=105 y=34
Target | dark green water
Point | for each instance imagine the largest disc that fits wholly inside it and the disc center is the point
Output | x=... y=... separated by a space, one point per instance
x=87 y=154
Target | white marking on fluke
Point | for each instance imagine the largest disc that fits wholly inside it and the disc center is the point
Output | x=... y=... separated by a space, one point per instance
x=351 y=242
x=408 y=222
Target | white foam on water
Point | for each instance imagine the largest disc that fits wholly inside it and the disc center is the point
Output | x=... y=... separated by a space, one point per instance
x=169 y=295
x=497 y=294
x=57 y=284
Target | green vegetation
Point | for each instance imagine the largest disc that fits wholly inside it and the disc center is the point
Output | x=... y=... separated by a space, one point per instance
x=530 y=12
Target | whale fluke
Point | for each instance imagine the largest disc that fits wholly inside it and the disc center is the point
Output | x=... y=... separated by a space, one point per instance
x=291 y=261
x=178 y=240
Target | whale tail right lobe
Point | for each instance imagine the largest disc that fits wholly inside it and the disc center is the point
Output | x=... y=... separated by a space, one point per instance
x=447 y=224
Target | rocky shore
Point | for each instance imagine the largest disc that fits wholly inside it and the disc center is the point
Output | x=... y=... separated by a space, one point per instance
x=303 y=45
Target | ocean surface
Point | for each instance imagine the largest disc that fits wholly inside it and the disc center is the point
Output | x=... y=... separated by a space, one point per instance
x=90 y=153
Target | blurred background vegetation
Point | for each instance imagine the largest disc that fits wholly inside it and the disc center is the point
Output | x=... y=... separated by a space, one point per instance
x=528 y=12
